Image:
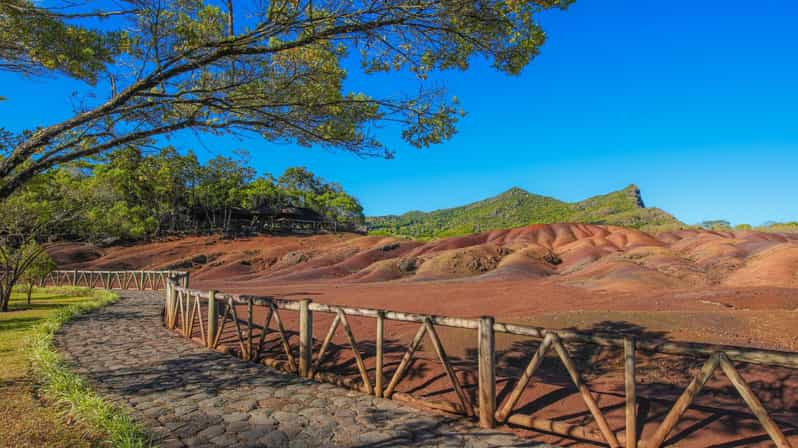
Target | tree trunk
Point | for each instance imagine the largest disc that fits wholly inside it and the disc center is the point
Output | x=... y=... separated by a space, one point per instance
x=5 y=297
x=30 y=291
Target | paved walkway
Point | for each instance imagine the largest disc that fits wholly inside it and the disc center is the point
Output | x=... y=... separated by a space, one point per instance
x=190 y=396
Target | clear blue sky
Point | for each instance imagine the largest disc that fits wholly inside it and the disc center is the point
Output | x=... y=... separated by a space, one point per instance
x=695 y=102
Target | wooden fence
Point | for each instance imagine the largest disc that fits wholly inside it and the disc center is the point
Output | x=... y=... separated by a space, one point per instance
x=139 y=280
x=211 y=312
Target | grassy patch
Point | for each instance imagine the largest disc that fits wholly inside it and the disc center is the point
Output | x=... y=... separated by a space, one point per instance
x=29 y=423
x=70 y=414
x=70 y=390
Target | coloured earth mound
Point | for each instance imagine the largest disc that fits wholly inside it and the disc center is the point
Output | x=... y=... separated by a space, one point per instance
x=592 y=257
x=738 y=288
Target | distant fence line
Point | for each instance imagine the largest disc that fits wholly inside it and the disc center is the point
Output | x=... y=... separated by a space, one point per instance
x=140 y=280
x=184 y=309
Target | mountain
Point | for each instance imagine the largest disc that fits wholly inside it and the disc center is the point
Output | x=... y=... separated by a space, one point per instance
x=517 y=207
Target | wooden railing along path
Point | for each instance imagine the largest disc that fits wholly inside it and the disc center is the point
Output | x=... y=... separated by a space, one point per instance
x=212 y=311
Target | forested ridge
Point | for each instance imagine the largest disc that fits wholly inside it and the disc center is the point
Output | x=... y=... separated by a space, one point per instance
x=517 y=207
x=133 y=195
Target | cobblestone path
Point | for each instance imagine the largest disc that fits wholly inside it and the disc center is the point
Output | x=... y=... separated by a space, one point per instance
x=189 y=396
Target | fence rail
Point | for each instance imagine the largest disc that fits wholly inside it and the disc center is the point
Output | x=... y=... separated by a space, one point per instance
x=212 y=312
x=140 y=280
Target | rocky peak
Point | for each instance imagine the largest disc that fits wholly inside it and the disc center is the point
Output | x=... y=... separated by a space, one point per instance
x=634 y=192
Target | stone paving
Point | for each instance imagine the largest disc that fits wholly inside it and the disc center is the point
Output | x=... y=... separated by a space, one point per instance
x=188 y=396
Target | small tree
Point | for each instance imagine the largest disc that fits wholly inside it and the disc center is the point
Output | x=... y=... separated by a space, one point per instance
x=24 y=224
x=715 y=224
x=17 y=255
x=37 y=269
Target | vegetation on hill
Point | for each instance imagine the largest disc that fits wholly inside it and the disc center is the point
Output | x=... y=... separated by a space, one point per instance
x=517 y=207
x=770 y=226
x=132 y=195
x=791 y=226
x=719 y=224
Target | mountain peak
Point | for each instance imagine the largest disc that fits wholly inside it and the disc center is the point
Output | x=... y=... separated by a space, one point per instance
x=515 y=190
x=634 y=192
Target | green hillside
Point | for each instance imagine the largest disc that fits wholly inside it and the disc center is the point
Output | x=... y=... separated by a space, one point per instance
x=517 y=207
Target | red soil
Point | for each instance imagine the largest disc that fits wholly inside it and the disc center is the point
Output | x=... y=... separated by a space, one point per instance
x=517 y=274
x=738 y=288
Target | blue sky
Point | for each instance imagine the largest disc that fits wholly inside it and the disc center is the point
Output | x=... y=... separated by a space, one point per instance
x=695 y=102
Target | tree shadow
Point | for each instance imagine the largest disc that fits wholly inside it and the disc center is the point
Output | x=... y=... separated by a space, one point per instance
x=18 y=323
x=435 y=432
x=661 y=379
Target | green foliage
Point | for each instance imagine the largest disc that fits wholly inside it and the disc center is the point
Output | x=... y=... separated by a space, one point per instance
x=40 y=266
x=21 y=255
x=33 y=40
x=786 y=227
x=516 y=207
x=130 y=195
x=716 y=224
x=275 y=69
x=73 y=392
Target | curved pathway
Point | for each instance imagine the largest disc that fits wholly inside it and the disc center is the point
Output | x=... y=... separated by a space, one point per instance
x=190 y=396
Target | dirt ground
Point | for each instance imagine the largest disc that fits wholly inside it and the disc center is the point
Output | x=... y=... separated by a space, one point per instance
x=733 y=288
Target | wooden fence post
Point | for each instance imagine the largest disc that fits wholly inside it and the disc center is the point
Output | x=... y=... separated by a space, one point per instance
x=168 y=307
x=487 y=373
x=141 y=281
x=173 y=317
x=631 y=392
x=211 y=318
x=250 y=311
x=185 y=279
x=305 y=337
x=75 y=277
x=378 y=374
x=177 y=301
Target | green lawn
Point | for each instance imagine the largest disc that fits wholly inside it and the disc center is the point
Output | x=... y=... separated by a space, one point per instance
x=29 y=420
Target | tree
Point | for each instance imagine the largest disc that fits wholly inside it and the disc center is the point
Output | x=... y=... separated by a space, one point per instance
x=341 y=207
x=17 y=255
x=716 y=224
x=301 y=186
x=39 y=267
x=262 y=192
x=23 y=224
x=276 y=71
x=222 y=188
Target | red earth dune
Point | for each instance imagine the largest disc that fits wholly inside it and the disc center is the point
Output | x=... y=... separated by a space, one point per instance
x=737 y=288
x=538 y=273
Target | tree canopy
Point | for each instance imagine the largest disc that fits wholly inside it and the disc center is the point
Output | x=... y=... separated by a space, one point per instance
x=275 y=69
x=131 y=195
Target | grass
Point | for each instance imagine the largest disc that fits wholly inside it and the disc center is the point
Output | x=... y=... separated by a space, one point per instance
x=41 y=401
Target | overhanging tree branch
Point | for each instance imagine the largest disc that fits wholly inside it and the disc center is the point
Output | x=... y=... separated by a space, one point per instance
x=279 y=74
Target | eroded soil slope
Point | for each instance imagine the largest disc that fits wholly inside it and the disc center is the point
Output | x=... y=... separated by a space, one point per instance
x=731 y=287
